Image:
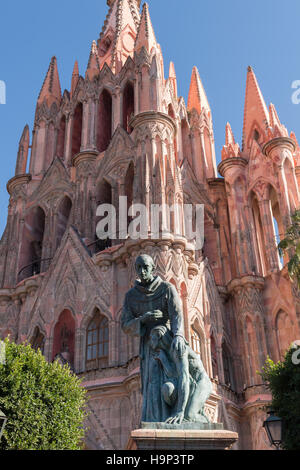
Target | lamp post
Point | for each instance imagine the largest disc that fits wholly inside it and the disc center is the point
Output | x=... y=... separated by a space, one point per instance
x=273 y=427
x=3 y=420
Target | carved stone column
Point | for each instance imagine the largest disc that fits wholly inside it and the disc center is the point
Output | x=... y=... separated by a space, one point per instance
x=84 y=164
x=116 y=111
x=278 y=150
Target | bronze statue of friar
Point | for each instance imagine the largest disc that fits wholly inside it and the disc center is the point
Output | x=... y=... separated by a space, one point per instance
x=175 y=385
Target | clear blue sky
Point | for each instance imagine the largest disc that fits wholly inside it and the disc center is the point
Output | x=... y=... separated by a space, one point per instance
x=220 y=37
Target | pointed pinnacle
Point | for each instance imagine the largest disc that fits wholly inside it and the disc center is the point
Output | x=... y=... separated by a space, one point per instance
x=197 y=97
x=255 y=111
x=51 y=90
x=75 y=78
x=145 y=36
x=229 y=137
x=93 y=67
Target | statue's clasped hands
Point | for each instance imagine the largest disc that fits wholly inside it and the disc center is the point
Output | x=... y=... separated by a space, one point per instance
x=152 y=316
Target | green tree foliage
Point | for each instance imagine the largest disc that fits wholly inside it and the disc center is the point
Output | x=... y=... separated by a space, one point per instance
x=283 y=380
x=291 y=244
x=44 y=403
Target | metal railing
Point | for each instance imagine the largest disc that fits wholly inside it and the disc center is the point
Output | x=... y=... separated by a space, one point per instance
x=99 y=245
x=36 y=267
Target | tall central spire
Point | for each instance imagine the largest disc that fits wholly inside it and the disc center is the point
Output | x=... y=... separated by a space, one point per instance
x=117 y=39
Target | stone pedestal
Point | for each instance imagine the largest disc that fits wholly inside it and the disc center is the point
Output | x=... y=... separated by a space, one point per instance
x=191 y=436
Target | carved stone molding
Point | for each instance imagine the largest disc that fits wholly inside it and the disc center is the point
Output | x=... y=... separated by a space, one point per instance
x=16 y=185
x=82 y=157
x=152 y=117
x=231 y=163
x=279 y=142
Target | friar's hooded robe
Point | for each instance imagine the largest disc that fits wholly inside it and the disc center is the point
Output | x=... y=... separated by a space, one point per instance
x=163 y=296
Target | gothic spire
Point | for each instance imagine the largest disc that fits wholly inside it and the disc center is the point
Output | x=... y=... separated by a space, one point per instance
x=231 y=148
x=229 y=137
x=93 y=68
x=75 y=78
x=197 y=96
x=116 y=42
x=146 y=36
x=256 y=115
x=23 y=152
x=51 y=90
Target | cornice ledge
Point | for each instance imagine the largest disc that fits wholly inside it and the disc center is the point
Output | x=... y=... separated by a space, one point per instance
x=150 y=116
x=17 y=181
x=246 y=281
x=84 y=156
x=231 y=162
x=278 y=141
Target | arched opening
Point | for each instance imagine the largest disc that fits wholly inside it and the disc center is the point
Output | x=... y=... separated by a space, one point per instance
x=196 y=341
x=50 y=146
x=104 y=121
x=228 y=367
x=103 y=196
x=284 y=333
x=214 y=358
x=256 y=135
x=128 y=106
x=64 y=338
x=60 y=150
x=63 y=217
x=97 y=342
x=278 y=228
x=77 y=129
x=32 y=244
x=129 y=180
x=277 y=238
x=38 y=340
x=291 y=183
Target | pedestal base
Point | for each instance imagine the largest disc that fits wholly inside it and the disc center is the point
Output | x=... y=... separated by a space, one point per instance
x=182 y=439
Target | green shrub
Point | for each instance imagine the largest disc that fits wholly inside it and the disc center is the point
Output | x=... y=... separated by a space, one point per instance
x=44 y=403
x=283 y=380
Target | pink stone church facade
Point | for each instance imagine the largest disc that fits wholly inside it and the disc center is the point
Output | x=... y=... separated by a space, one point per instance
x=122 y=130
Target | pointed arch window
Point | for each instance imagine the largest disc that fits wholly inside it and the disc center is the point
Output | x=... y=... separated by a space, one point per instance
x=214 y=360
x=128 y=106
x=104 y=195
x=227 y=367
x=64 y=338
x=63 y=216
x=196 y=341
x=256 y=135
x=77 y=129
x=60 y=150
x=32 y=244
x=104 y=130
x=284 y=332
x=97 y=344
x=38 y=340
